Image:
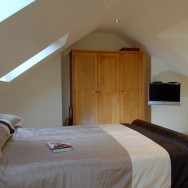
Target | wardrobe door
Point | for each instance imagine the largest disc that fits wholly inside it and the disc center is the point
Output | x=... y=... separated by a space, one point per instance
x=131 y=98
x=108 y=87
x=84 y=83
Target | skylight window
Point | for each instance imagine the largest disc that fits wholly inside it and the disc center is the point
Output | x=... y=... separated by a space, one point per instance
x=10 y=7
x=35 y=59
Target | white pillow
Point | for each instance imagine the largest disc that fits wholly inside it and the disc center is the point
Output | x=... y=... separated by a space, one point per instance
x=12 y=118
x=4 y=135
x=8 y=124
x=11 y=121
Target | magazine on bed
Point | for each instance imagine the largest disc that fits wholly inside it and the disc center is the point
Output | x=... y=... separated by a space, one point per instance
x=59 y=146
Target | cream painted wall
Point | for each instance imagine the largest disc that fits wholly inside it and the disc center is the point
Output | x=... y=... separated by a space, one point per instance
x=36 y=95
x=172 y=117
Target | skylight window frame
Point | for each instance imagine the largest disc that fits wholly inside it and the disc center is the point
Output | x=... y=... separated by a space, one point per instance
x=35 y=59
x=10 y=7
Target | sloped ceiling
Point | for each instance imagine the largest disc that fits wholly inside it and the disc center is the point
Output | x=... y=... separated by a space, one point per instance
x=161 y=27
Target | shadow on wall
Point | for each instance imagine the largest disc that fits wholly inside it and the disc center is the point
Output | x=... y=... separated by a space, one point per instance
x=169 y=76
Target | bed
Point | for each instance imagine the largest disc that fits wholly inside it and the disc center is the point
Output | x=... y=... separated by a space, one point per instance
x=137 y=155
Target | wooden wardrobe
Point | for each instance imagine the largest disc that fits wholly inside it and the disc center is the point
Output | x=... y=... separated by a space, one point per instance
x=109 y=87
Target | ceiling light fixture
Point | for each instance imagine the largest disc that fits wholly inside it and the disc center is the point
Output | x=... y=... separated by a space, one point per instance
x=117 y=21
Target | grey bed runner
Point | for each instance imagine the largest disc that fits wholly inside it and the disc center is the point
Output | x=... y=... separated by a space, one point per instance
x=96 y=161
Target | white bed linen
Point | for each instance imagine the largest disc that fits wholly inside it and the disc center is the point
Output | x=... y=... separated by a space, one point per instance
x=151 y=166
x=150 y=162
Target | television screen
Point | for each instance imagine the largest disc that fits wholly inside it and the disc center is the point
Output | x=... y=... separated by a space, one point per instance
x=164 y=93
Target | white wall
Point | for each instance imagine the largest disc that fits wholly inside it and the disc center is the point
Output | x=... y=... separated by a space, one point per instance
x=172 y=117
x=39 y=99
x=36 y=95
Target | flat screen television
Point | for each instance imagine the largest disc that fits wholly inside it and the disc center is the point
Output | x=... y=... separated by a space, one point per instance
x=164 y=93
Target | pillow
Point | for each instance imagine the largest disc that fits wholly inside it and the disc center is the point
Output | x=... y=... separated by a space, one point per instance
x=4 y=135
x=11 y=121
x=12 y=118
x=8 y=124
